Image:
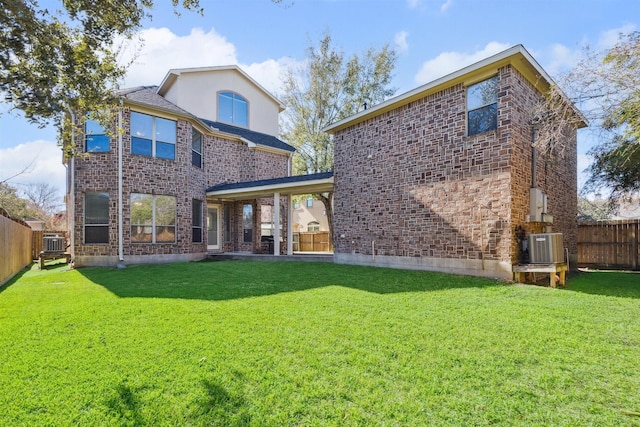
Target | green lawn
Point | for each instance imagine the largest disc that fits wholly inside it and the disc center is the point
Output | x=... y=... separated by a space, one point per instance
x=276 y=344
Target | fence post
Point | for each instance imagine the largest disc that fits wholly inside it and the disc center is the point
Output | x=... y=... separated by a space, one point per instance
x=634 y=245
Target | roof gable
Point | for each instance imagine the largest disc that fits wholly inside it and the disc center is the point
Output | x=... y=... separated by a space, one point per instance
x=516 y=56
x=173 y=74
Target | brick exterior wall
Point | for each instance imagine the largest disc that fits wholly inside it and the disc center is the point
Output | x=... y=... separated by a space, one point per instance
x=223 y=160
x=409 y=183
x=556 y=174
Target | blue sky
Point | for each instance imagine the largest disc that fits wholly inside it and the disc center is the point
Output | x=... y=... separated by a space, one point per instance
x=432 y=37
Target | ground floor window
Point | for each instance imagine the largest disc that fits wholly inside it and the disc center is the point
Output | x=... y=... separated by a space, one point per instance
x=196 y=221
x=227 y=223
x=96 y=218
x=153 y=218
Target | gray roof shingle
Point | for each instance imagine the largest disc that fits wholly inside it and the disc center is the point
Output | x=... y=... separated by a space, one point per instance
x=250 y=135
x=148 y=95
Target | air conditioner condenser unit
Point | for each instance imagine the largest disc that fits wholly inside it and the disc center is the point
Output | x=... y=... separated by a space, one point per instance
x=546 y=248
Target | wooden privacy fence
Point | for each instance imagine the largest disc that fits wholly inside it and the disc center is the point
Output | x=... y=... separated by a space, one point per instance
x=15 y=246
x=609 y=244
x=312 y=242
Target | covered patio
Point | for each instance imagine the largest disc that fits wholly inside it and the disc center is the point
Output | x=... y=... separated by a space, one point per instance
x=274 y=188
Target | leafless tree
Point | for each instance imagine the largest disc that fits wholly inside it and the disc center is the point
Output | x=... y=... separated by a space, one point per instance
x=605 y=88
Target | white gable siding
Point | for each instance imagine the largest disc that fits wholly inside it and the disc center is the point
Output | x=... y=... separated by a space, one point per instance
x=197 y=92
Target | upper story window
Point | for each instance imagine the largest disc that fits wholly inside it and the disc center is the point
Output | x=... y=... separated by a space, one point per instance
x=196 y=148
x=482 y=106
x=232 y=108
x=153 y=136
x=96 y=139
x=309 y=202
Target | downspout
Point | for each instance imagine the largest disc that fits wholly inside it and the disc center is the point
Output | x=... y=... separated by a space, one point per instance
x=120 y=215
x=534 y=158
x=72 y=192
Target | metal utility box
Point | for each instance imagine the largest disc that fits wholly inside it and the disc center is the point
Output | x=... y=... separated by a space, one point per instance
x=546 y=248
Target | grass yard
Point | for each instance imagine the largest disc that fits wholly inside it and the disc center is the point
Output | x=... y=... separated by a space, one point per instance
x=285 y=344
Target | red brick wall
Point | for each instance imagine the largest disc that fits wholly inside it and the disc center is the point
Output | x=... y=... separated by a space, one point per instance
x=556 y=174
x=413 y=182
x=223 y=161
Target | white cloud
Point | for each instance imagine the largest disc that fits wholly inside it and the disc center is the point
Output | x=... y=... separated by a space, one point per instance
x=270 y=73
x=608 y=39
x=400 y=39
x=559 y=59
x=422 y=4
x=42 y=160
x=448 y=62
x=446 y=5
x=162 y=50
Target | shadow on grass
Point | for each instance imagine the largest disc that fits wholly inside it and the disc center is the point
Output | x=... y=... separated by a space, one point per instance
x=221 y=407
x=225 y=280
x=623 y=284
x=15 y=278
x=126 y=404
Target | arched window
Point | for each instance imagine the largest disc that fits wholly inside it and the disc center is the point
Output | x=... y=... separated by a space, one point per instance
x=313 y=226
x=232 y=108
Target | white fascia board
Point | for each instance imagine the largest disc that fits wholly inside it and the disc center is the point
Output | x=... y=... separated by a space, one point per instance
x=415 y=93
x=269 y=149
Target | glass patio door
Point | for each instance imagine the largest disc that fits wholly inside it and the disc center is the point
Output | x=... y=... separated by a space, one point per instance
x=213 y=227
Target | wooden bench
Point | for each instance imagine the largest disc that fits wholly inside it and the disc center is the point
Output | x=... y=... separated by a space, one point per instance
x=520 y=271
x=44 y=256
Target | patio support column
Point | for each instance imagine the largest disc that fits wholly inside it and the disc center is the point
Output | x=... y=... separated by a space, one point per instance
x=289 y=224
x=276 y=224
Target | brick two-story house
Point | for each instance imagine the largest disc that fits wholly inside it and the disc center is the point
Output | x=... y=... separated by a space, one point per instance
x=443 y=177
x=139 y=192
